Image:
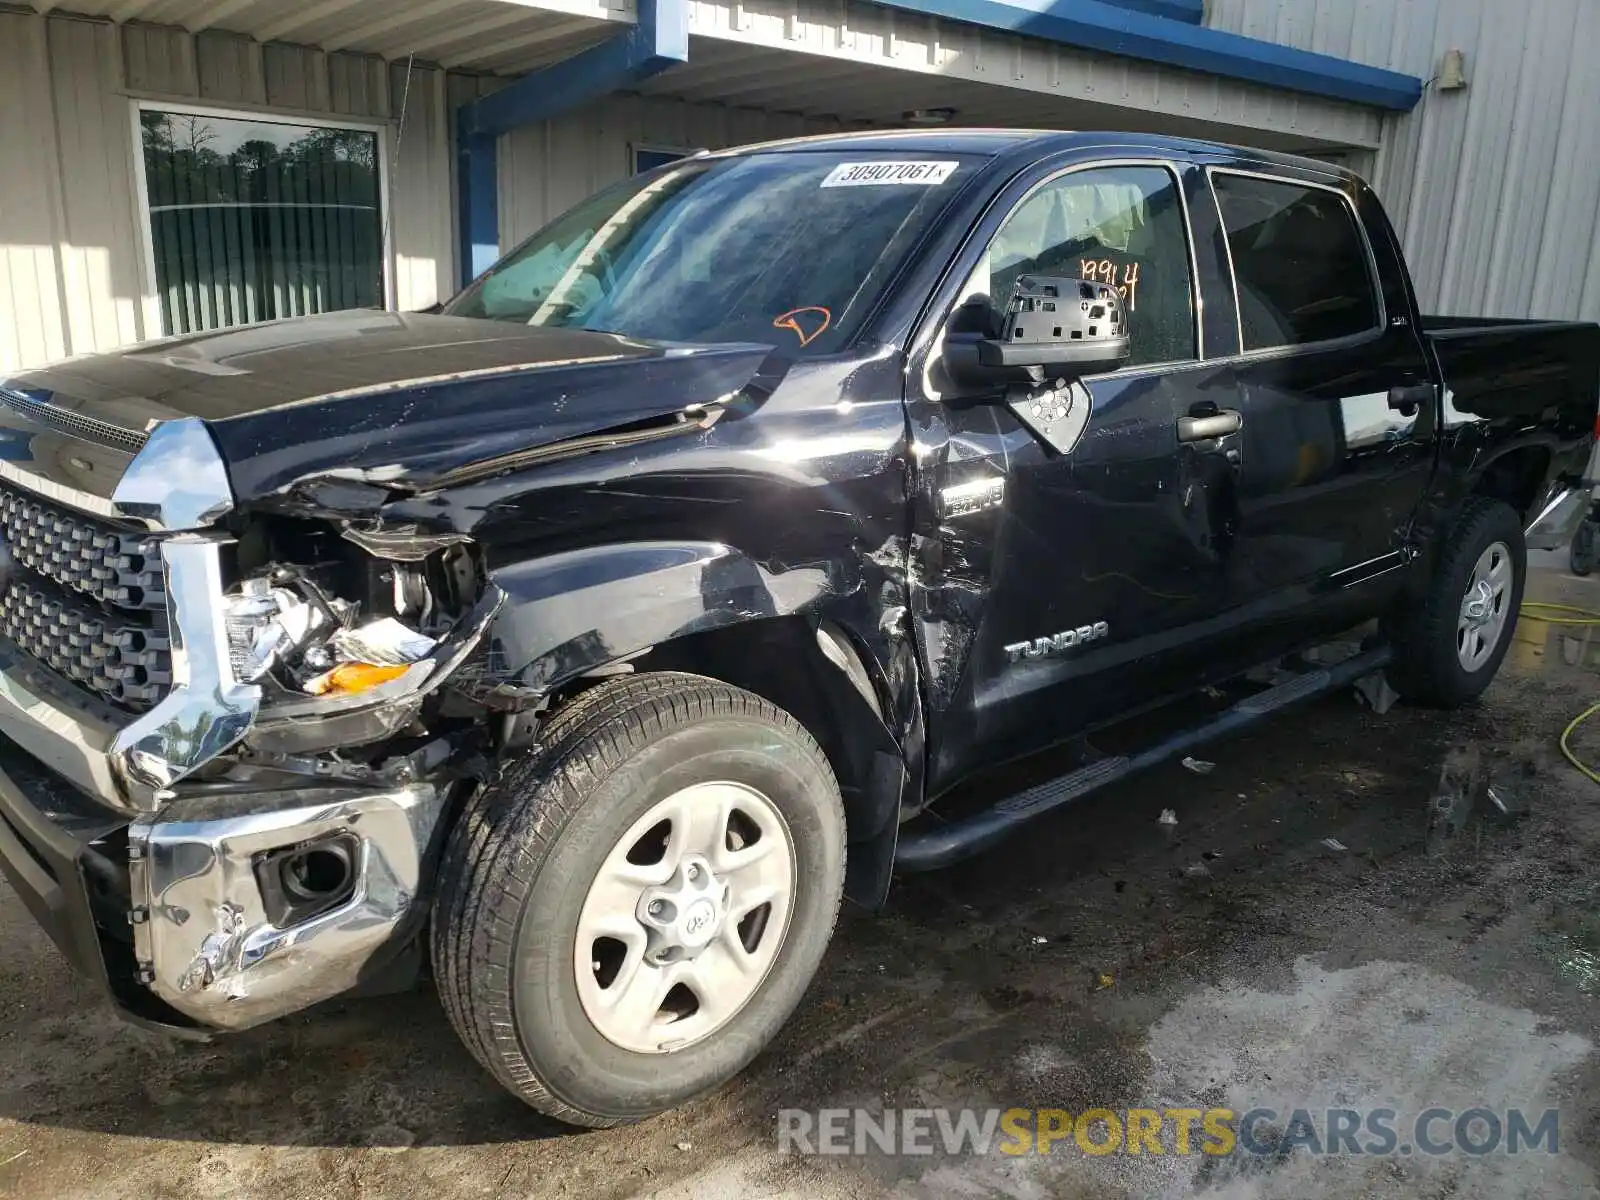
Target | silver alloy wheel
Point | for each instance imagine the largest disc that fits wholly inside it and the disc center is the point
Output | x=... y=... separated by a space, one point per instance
x=1485 y=607
x=685 y=917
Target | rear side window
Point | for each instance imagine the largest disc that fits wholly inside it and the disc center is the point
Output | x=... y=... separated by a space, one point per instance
x=1299 y=262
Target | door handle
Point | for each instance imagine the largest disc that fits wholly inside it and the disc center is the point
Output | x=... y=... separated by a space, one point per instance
x=1406 y=400
x=1210 y=425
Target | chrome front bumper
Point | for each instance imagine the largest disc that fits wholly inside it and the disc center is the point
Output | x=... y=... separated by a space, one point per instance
x=203 y=940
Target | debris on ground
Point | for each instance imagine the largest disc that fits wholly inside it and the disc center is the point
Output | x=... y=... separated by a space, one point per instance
x=685 y=1145
x=1041 y=941
x=1509 y=786
x=1334 y=844
x=1199 y=765
x=1505 y=803
x=1103 y=981
x=1167 y=817
x=1461 y=779
x=1375 y=692
x=1197 y=871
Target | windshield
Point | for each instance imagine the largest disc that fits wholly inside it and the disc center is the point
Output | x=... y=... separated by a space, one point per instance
x=788 y=249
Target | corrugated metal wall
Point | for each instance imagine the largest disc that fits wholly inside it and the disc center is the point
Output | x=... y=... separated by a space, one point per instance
x=1020 y=80
x=1496 y=187
x=71 y=248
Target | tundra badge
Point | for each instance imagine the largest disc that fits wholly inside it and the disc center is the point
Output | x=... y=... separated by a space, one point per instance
x=1056 y=643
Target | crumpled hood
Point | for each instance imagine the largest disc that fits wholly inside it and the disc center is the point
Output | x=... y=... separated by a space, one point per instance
x=397 y=399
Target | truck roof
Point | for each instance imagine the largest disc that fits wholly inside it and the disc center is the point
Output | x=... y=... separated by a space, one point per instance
x=1029 y=143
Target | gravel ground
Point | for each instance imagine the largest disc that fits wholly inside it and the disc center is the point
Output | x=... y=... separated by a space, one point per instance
x=1103 y=959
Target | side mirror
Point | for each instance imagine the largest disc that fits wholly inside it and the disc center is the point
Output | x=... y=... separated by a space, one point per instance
x=1057 y=329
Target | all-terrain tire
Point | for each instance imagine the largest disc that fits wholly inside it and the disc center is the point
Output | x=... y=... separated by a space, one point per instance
x=524 y=854
x=1428 y=665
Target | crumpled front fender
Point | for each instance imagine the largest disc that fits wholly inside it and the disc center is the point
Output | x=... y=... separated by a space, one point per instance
x=569 y=613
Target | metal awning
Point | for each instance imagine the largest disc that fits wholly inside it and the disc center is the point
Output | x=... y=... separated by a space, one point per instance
x=502 y=37
x=1106 y=96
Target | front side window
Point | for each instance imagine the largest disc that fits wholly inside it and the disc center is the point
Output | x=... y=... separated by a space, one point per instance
x=252 y=220
x=1118 y=225
x=1299 y=262
x=784 y=248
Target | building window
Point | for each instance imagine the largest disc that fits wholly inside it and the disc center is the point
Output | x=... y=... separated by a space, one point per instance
x=1300 y=262
x=251 y=219
x=648 y=158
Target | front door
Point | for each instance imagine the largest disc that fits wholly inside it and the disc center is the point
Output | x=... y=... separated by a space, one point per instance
x=1056 y=588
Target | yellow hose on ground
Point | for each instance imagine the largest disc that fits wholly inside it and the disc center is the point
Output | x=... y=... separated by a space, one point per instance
x=1576 y=616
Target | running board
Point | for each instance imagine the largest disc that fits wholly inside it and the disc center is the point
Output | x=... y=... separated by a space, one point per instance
x=949 y=843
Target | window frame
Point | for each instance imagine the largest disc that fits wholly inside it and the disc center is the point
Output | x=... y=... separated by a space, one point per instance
x=1374 y=282
x=149 y=297
x=637 y=148
x=1175 y=170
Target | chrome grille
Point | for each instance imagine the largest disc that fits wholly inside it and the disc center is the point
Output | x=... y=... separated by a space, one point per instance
x=115 y=566
x=86 y=598
x=124 y=656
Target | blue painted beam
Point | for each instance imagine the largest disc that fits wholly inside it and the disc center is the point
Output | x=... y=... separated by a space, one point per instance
x=658 y=41
x=1114 y=29
x=478 y=202
x=1192 y=12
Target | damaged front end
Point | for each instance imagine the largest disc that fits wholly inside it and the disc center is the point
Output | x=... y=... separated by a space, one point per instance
x=263 y=773
x=279 y=871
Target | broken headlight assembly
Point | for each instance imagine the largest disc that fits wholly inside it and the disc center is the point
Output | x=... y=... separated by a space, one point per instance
x=286 y=630
x=345 y=644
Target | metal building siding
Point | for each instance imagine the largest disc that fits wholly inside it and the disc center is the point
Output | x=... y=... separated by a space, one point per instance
x=421 y=194
x=32 y=325
x=71 y=243
x=99 y=243
x=547 y=167
x=1495 y=188
x=1040 y=77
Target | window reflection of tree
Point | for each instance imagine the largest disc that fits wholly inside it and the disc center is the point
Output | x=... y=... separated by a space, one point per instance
x=252 y=220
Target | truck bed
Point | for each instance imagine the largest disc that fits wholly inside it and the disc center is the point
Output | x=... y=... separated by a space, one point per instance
x=1498 y=368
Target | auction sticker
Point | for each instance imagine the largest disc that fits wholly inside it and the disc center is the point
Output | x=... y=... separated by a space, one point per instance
x=868 y=174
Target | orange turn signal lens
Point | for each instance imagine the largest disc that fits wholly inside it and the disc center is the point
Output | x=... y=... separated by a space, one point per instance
x=353 y=677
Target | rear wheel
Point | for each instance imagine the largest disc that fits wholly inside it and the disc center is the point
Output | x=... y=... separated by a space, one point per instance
x=1451 y=640
x=626 y=919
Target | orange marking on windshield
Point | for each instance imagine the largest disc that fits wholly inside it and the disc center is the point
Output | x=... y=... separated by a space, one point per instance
x=790 y=320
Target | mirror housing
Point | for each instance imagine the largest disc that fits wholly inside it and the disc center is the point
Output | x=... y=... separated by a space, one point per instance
x=1052 y=328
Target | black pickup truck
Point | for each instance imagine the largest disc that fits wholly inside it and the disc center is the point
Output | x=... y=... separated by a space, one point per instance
x=582 y=643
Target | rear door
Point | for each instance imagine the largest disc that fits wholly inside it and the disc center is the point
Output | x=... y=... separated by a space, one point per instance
x=1335 y=390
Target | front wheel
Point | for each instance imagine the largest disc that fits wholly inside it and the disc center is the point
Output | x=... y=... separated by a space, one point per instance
x=625 y=919
x=1450 y=640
